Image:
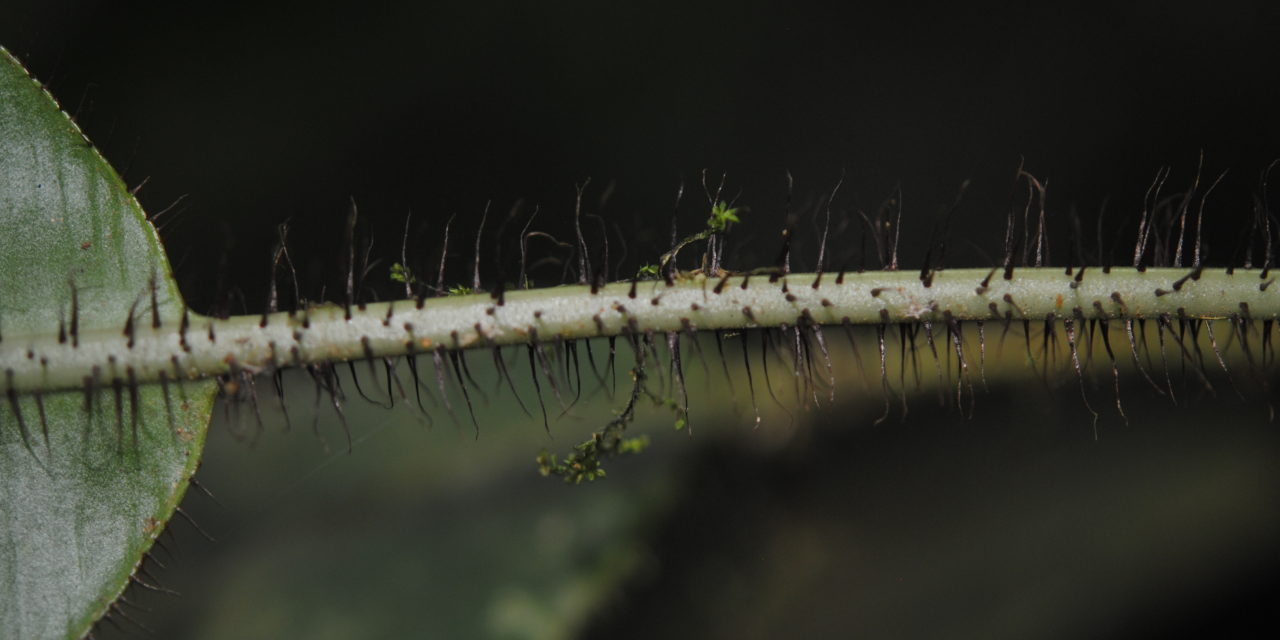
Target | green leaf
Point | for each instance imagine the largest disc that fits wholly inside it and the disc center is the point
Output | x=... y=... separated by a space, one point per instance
x=82 y=497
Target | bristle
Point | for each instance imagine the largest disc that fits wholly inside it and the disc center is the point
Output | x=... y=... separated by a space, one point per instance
x=437 y=362
x=199 y=486
x=719 y=336
x=826 y=360
x=853 y=348
x=669 y=262
x=877 y=236
x=800 y=383
x=1193 y=327
x=677 y=369
x=134 y=579
x=1197 y=363
x=117 y=610
x=751 y=388
x=418 y=387
x=505 y=376
x=1164 y=360
x=895 y=203
x=466 y=373
x=1268 y=350
x=1035 y=191
x=956 y=333
x=1075 y=241
x=512 y=213
x=75 y=315
x=454 y=359
x=716 y=241
x=444 y=253
x=602 y=274
x=768 y=345
x=326 y=379
x=537 y=387
x=117 y=391
x=611 y=367
x=277 y=384
x=111 y=620
x=1217 y=352
x=649 y=348
x=350 y=242
x=886 y=391
x=802 y=356
x=1145 y=220
x=475 y=270
x=314 y=372
x=1070 y=325
x=128 y=324
x=907 y=347
x=595 y=371
x=826 y=228
x=16 y=407
x=813 y=380
x=355 y=380
x=1240 y=326
x=691 y=332
x=542 y=362
x=44 y=419
x=927 y=329
x=522 y=282
x=125 y=602
x=272 y=294
x=982 y=352
x=1133 y=351
x=153 y=557
x=1089 y=328
x=1048 y=344
x=571 y=354
x=192 y=521
x=250 y=385
x=584 y=260
x=132 y=382
x=155 y=306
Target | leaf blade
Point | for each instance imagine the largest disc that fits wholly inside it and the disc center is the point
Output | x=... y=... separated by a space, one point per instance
x=80 y=506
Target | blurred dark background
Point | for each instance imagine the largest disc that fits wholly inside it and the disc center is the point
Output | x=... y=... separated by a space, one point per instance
x=231 y=122
x=291 y=112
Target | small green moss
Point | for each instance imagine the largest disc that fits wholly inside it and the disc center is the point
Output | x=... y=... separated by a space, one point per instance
x=721 y=216
x=634 y=445
x=402 y=274
x=585 y=461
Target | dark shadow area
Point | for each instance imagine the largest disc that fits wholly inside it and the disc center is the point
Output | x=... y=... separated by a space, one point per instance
x=242 y=120
x=1009 y=526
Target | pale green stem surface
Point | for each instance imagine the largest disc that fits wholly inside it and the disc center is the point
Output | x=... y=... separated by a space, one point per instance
x=209 y=346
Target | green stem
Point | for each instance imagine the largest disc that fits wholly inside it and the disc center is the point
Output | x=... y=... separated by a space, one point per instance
x=210 y=347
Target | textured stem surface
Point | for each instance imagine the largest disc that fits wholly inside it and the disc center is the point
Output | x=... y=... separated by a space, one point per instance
x=209 y=346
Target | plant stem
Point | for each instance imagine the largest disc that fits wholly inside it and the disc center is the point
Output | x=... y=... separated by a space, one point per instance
x=209 y=346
